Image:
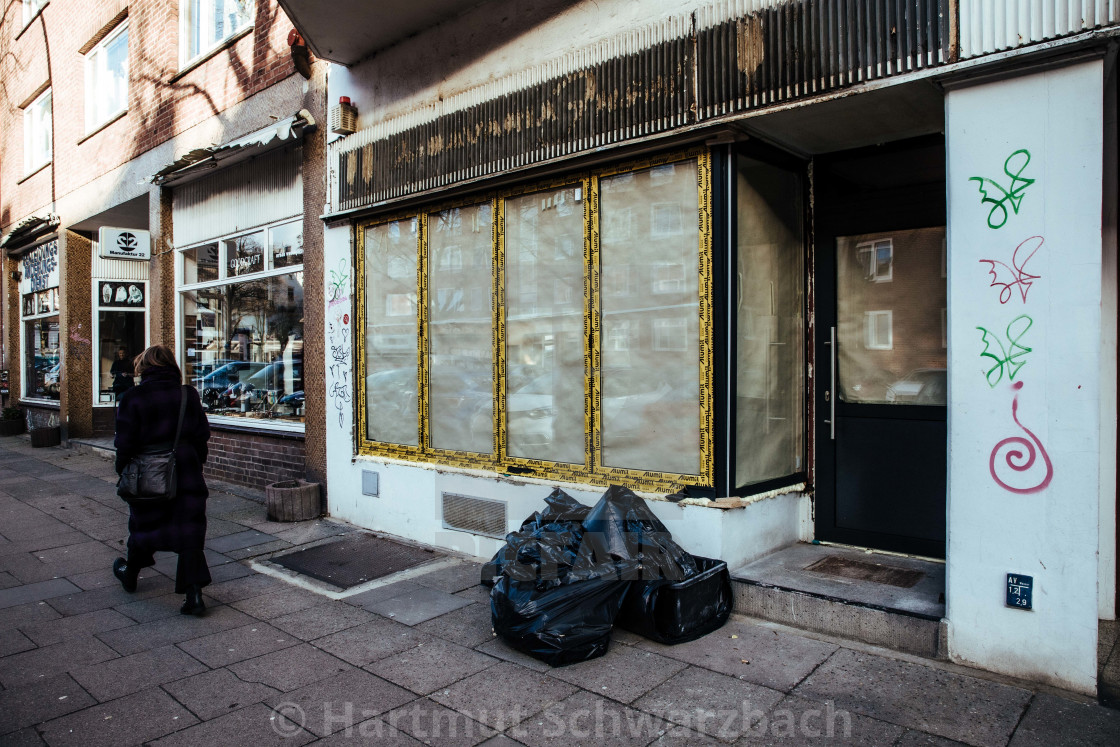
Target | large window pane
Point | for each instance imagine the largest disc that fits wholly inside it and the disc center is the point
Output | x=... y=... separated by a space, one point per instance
x=460 y=320
x=244 y=347
x=392 y=405
x=891 y=317
x=769 y=381
x=545 y=396
x=200 y=264
x=650 y=301
x=43 y=367
x=120 y=337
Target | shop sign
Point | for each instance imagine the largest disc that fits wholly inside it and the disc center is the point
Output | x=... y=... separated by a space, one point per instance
x=124 y=243
x=39 y=268
x=121 y=295
x=3 y=381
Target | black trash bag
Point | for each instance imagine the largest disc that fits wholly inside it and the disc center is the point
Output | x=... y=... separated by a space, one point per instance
x=548 y=539
x=676 y=612
x=621 y=526
x=561 y=624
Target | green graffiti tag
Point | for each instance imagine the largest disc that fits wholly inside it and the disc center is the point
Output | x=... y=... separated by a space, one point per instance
x=1011 y=195
x=1009 y=359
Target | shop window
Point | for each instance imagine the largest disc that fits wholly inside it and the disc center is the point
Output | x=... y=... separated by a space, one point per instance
x=207 y=23
x=769 y=382
x=550 y=382
x=120 y=335
x=107 y=78
x=242 y=324
x=37 y=138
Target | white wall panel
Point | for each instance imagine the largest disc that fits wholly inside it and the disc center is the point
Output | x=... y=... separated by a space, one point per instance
x=259 y=191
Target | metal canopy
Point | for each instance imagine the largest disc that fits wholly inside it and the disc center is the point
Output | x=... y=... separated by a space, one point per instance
x=29 y=229
x=354 y=29
x=198 y=162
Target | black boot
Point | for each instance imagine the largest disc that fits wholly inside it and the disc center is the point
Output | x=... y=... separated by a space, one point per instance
x=126 y=574
x=194 y=604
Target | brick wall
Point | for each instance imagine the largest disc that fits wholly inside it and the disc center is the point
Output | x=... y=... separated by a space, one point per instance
x=163 y=100
x=253 y=459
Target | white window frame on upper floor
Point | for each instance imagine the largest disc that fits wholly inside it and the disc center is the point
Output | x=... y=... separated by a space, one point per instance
x=100 y=106
x=36 y=116
x=200 y=14
x=32 y=8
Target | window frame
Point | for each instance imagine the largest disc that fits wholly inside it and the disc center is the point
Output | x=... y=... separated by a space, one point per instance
x=31 y=10
x=96 y=72
x=872 y=250
x=592 y=471
x=187 y=56
x=869 y=326
x=225 y=279
x=34 y=119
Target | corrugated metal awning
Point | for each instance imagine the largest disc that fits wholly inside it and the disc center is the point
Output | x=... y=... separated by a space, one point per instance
x=200 y=161
x=29 y=229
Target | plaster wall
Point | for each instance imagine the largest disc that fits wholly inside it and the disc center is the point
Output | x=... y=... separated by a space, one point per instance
x=1008 y=513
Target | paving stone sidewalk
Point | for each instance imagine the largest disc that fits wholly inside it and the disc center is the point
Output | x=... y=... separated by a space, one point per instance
x=82 y=662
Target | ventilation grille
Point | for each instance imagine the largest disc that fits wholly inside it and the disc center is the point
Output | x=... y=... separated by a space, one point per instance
x=732 y=56
x=474 y=515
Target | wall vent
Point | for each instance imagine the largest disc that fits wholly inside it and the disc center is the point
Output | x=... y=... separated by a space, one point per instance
x=475 y=515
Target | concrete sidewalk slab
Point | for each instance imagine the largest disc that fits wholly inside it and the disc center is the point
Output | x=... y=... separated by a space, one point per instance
x=308 y=665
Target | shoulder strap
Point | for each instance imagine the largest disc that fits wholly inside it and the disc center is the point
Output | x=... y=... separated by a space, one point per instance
x=182 y=411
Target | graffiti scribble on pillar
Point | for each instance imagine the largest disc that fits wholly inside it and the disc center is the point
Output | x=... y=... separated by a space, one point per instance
x=1005 y=276
x=1020 y=455
x=1007 y=359
x=1001 y=197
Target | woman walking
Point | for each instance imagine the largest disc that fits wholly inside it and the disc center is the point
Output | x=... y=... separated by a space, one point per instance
x=146 y=415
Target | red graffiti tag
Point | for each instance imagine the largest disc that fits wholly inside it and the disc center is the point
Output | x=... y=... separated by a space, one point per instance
x=1006 y=277
x=1017 y=459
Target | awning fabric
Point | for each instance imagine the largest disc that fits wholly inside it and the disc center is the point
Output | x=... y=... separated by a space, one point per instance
x=201 y=161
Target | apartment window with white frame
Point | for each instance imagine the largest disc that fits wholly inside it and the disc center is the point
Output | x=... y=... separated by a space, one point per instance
x=878 y=329
x=107 y=78
x=877 y=260
x=204 y=24
x=37 y=133
x=31 y=8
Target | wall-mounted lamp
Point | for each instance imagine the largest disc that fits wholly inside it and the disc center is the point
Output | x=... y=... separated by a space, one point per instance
x=301 y=58
x=16 y=276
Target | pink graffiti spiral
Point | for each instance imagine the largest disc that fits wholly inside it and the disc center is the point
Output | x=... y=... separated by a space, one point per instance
x=1018 y=459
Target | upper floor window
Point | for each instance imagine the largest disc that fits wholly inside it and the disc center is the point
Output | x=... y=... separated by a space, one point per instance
x=37 y=133
x=107 y=78
x=207 y=23
x=31 y=8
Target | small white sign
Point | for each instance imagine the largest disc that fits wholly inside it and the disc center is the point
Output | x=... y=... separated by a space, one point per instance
x=124 y=243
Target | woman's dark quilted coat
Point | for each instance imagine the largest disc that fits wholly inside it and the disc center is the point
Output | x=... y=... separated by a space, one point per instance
x=146 y=416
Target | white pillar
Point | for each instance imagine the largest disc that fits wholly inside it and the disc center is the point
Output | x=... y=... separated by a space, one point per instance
x=1025 y=247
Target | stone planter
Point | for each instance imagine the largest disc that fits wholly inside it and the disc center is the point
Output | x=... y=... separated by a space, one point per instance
x=11 y=427
x=41 y=437
x=293 y=500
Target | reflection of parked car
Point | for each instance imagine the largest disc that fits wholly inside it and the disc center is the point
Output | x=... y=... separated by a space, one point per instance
x=922 y=386
x=211 y=386
x=274 y=376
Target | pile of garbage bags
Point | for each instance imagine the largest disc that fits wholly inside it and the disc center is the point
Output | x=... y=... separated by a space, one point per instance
x=571 y=572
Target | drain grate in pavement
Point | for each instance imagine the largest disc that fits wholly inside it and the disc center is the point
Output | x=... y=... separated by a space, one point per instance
x=355 y=559
x=834 y=565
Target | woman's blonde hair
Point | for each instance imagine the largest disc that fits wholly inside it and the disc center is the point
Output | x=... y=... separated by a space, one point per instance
x=156 y=355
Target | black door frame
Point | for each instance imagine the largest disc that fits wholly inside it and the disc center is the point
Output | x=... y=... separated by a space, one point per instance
x=892 y=208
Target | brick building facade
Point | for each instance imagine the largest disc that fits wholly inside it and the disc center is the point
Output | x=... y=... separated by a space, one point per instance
x=98 y=99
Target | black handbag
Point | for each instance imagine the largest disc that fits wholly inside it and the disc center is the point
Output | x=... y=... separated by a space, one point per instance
x=150 y=477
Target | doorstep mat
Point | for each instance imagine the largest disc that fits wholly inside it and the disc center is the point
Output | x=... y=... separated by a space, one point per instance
x=354 y=559
x=834 y=565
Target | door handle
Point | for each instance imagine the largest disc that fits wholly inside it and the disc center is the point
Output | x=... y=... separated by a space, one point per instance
x=832 y=385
